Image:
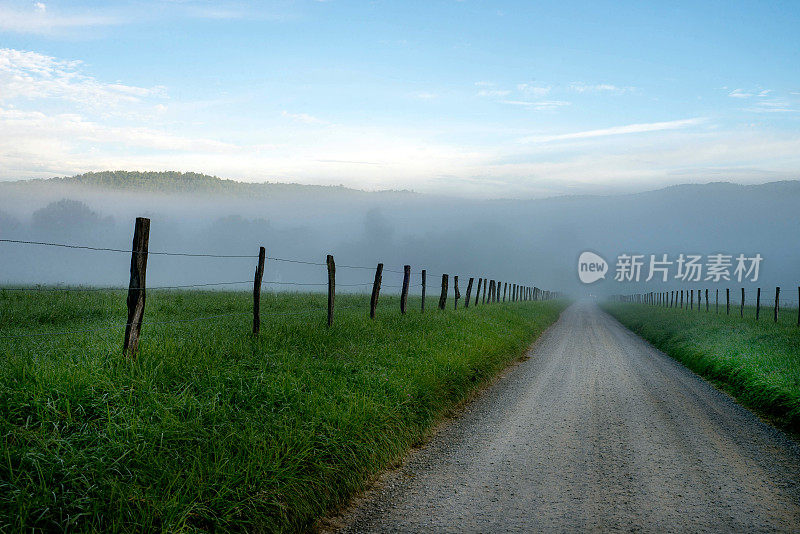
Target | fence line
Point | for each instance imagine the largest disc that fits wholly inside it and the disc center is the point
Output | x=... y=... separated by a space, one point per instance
x=675 y=299
x=511 y=291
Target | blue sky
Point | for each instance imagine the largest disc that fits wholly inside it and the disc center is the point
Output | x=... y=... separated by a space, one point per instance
x=488 y=99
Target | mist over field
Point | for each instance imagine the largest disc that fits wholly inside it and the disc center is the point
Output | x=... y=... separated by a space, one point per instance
x=502 y=239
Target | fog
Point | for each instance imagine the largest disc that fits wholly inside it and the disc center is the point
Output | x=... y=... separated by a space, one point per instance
x=527 y=241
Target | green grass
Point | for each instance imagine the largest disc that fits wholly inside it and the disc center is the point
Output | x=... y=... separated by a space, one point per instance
x=759 y=362
x=209 y=429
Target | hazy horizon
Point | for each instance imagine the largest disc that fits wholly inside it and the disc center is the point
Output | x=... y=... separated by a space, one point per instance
x=485 y=100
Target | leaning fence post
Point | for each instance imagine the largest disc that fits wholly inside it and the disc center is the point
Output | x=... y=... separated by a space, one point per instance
x=443 y=295
x=505 y=288
x=456 y=292
x=257 y=291
x=485 y=284
x=777 y=301
x=758 y=302
x=424 y=287
x=376 y=290
x=136 y=286
x=404 y=294
x=469 y=291
x=478 y=291
x=331 y=287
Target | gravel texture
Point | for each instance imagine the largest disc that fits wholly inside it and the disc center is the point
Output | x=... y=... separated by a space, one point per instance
x=596 y=431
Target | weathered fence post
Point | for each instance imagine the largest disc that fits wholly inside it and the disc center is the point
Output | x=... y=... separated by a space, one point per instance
x=706 y=300
x=717 y=302
x=505 y=288
x=777 y=302
x=424 y=276
x=257 y=291
x=758 y=302
x=478 y=291
x=681 y=298
x=469 y=291
x=691 y=299
x=741 y=307
x=727 y=301
x=376 y=290
x=443 y=295
x=331 y=287
x=485 y=283
x=136 y=286
x=456 y=292
x=404 y=294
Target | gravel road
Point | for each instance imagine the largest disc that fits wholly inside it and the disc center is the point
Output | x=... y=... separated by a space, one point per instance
x=596 y=431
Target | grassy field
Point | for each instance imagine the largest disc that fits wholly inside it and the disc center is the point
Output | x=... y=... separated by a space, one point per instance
x=759 y=362
x=209 y=429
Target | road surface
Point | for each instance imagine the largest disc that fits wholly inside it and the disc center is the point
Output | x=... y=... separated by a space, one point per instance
x=596 y=431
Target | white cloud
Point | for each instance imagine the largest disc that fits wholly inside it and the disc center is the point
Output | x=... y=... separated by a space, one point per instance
x=740 y=93
x=533 y=90
x=305 y=118
x=543 y=105
x=580 y=87
x=493 y=92
x=39 y=20
x=424 y=95
x=30 y=76
x=616 y=130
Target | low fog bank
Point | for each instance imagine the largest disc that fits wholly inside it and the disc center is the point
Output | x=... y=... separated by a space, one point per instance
x=536 y=241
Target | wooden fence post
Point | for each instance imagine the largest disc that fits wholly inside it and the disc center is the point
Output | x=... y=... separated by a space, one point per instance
x=443 y=295
x=777 y=302
x=485 y=283
x=136 y=286
x=424 y=287
x=478 y=292
x=376 y=290
x=691 y=299
x=331 y=287
x=469 y=291
x=727 y=301
x=257 y=291
x=505 y=288
x=681 y=298
x=758 y=302
x=404 y=294
x=717 y=302
x=456 y=292
x=741 y=306
x=706 y=300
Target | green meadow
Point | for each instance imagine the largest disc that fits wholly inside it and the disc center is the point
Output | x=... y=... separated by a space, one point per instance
x=757 y=361
x=208 y=428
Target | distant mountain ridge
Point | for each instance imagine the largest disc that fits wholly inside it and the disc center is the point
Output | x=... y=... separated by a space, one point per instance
x=188 y=182
x=175 y=182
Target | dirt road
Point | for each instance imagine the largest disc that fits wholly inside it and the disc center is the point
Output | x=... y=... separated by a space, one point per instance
x=596 y=431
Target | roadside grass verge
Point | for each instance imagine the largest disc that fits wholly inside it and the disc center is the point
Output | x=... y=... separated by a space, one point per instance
x=758 y=362
x=209 y=429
